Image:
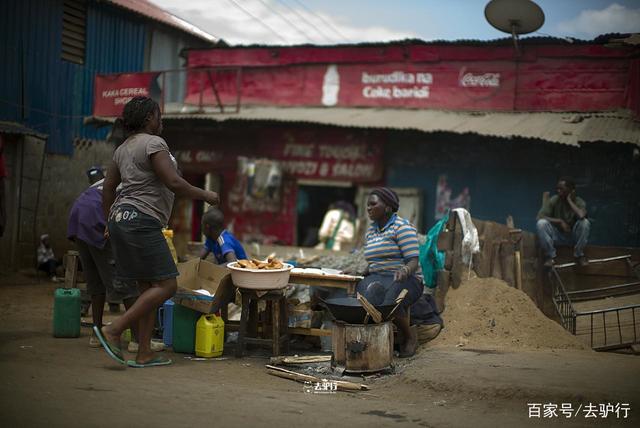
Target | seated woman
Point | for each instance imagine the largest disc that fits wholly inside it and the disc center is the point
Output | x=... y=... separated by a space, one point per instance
x=391 y=249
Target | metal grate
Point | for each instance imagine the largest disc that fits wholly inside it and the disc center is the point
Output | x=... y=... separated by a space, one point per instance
x=74 y=29
x=609 y=328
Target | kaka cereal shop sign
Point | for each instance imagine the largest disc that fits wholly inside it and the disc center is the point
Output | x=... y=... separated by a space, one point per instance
x=113 y=91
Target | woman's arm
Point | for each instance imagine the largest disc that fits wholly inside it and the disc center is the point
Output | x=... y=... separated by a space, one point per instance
x=109 y=186
x=166 y=171
x=407 y=270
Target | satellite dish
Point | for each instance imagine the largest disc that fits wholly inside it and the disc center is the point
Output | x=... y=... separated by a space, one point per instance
x=514 y=17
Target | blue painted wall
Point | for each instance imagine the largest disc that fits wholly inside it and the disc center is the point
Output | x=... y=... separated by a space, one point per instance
x=508 y=178
x=58 y=93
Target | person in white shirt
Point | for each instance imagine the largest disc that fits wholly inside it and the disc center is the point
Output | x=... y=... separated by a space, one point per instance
x=47 y=261
x=338 y=226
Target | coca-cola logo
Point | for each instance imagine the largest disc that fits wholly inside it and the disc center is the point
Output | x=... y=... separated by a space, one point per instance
x=486 y=80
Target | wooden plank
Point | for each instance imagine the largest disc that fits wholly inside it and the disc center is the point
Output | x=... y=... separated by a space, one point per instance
x=300 y=377
x=66 y=34
x=275 y=336
x=327 y=277
x=71 y=271
x=445 y=241
x=495 y=270
x=518 y=268
x=444 y=278
x=507 y=264
x=448 y=260
x=309 y=331
x=74 y=43
x=320 y=282
x=371 y=310
x=80 y=22
x=75 y=28
x=305 y=359
x=482 y=261
x=457 y=266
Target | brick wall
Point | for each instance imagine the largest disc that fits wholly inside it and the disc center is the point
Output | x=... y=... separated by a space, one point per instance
x=64 y=179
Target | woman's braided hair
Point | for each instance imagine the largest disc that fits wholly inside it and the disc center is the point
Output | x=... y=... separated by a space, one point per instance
x=136 y=111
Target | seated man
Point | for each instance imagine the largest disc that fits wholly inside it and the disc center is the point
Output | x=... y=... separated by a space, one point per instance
x=563 y=220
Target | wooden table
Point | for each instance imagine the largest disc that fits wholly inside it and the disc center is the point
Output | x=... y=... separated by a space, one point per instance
x=346 y=282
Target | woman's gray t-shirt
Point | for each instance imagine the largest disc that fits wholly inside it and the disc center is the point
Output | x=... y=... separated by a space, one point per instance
x=141 y=187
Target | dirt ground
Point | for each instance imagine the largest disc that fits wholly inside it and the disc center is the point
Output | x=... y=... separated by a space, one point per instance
x=63 y=382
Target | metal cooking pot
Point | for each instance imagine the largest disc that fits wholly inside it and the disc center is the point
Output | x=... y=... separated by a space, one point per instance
x=349 y=309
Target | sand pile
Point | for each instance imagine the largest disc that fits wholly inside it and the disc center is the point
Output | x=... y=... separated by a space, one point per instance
x=487 y=313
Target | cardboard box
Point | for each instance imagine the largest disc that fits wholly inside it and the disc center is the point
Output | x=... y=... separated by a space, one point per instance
x=200 y=274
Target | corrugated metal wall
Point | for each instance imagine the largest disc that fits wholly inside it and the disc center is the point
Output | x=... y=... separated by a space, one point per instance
x=509 y=177
x=59 y=93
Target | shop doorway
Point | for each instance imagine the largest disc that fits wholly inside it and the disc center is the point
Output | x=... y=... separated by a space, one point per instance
x=312 y=203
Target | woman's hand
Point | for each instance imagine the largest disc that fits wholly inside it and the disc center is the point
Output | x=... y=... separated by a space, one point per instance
x=401 y=274
x=212 y=198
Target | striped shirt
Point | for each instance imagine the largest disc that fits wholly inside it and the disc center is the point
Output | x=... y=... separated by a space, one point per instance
x=389 y=248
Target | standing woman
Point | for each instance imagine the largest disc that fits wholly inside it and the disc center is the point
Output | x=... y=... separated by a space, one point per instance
x=149 y=177
x=391 y=250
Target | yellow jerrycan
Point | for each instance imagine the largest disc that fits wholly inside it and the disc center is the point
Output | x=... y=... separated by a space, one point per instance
x=168 y=236
x=209 y=336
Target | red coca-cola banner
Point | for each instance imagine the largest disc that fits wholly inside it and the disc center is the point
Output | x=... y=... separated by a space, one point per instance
x=560 y=78
x=113 y=91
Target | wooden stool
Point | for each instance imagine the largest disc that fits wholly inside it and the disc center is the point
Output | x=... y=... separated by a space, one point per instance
x=71 y=269
x=276 y=314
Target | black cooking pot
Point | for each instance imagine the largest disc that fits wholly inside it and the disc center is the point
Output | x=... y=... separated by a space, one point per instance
x=349 y=309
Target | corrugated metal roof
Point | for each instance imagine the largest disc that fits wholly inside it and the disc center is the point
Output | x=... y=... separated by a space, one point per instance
x=562 y=128
x=150 y=10
x=58 y=94
x=17 y=128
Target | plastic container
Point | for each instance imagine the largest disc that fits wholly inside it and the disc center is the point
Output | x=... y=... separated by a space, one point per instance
x=167 y=322
x=168 y=236
x=66 y=312
x=184 y=329
x=260 y=279
x=209 y=336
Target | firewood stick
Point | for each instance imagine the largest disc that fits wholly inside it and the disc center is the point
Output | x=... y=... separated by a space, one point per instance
x=305 y=359
x=371 y=310
x=300 y=377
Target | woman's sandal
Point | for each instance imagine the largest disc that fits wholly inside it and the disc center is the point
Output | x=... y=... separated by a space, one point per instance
x=154 y=362
x=112 y=350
